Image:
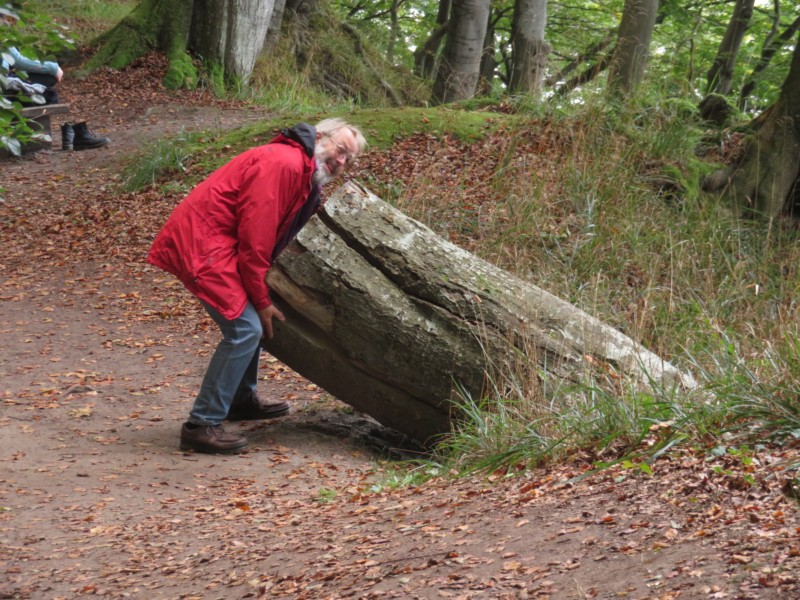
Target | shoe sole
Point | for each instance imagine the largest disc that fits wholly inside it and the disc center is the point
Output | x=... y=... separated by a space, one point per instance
x=185 y=446
x=274 y=415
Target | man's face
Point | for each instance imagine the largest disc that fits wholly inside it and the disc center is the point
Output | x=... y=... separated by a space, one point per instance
x=334 y=152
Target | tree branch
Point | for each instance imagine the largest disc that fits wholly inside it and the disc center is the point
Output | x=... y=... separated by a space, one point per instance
x=771 y=46
x=586 y=55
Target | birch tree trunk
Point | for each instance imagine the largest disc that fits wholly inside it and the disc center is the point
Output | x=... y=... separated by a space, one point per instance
x=459 y=69
x=392 y=319
x=529 y=50
x=628 y=64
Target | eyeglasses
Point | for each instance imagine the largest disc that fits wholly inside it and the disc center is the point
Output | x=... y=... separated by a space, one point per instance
x=342 y=150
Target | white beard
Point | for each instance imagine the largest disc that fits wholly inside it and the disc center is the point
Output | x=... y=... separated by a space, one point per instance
x=321 y=174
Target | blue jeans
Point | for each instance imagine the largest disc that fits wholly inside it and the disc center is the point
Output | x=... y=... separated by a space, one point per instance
x=233 y=370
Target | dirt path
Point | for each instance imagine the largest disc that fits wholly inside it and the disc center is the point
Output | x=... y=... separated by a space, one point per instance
x=101 y=357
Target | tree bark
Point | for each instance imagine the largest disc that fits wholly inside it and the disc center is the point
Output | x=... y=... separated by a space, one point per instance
x=425 y=57
x=394 y=30
x=275 y=23
x=392 y=319
x=153 y=25
x=628 y=64
x=529 y=50
x=720 y=76
x=228 y=33
x=766 y=179
x=459 y=69
x=488 y=62
x=231 y=33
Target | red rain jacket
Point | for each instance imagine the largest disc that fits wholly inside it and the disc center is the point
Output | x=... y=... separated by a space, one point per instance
x=219 y=240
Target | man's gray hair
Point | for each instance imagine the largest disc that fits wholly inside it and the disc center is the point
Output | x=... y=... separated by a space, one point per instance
x=331 y=126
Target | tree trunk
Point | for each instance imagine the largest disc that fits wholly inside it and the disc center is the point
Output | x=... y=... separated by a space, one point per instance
x=228 y=33
x=459 y=68
x=153 y=25
x=394 y=30
x=720 y=76
x=591 y=53
x=488 y=61
x=392 y=319
x=209 y=29
x=628 y=64
x=766 y=178
x=425 y=56
x=586 y=76
x=529 y=50
x=231 y=33
x=275 y=23
x=302 y=7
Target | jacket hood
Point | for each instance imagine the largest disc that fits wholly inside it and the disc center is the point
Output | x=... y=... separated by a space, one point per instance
x=304 y=134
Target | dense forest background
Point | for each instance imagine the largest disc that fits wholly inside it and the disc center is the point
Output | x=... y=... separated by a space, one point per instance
x=556 y=50
x=489 y=48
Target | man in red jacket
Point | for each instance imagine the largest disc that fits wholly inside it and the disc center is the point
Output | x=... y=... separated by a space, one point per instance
x=220 y=242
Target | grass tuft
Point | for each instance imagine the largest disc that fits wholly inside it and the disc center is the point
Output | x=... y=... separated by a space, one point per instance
x=165 y=157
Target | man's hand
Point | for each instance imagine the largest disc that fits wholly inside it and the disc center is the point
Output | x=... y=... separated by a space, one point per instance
x=265 y=315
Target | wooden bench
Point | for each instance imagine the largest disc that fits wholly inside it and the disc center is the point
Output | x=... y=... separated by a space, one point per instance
x=39 y=118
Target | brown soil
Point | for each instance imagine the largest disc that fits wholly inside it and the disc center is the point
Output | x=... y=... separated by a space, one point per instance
x=101 y=356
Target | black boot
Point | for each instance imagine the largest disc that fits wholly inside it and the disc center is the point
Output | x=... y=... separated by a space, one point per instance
x=67 y=136
x=85 y=139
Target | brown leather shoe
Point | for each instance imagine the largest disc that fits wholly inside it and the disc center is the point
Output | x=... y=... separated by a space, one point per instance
x=210 y=439
x=253 y=409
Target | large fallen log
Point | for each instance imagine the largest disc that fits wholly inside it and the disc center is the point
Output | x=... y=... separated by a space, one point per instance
x=393 y=320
